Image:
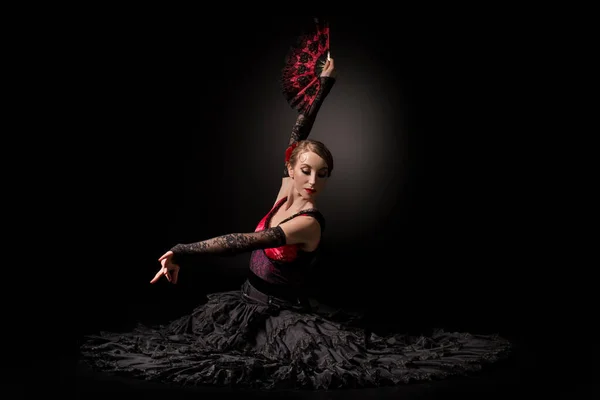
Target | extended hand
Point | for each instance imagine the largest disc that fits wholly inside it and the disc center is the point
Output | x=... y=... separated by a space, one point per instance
x=169 y=269
x=329 y=68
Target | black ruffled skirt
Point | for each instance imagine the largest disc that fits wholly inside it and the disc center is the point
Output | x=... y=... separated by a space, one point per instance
x=247 y=339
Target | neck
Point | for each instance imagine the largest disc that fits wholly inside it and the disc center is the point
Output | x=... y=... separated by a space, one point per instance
x=297 y=203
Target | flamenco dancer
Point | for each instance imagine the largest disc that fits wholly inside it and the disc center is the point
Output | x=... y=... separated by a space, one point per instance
x=265 y=335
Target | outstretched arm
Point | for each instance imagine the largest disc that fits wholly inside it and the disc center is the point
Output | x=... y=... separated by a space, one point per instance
x=296 y=231
x=229 y=244
x=233 y=243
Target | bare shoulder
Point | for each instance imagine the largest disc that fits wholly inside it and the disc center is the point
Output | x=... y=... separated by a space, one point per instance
x=303 y=229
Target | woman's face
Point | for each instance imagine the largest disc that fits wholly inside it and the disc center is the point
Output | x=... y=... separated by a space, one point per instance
x=309 y=174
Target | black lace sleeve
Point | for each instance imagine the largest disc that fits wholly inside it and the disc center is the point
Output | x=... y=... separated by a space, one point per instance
x=231 y=244
x=305 y=121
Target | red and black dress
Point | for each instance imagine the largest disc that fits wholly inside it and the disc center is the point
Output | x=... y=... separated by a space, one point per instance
x=263 y=336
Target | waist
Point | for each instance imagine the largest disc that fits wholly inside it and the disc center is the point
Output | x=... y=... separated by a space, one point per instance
x=285 y=292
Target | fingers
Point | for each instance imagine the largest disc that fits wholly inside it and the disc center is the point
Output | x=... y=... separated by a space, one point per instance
x=157 y=276
x=166 y=255
x=171 y=277
x=166 y=267
x=331 y=65
x=328 y=68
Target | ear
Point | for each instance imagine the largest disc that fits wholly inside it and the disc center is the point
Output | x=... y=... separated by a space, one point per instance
x=290 y=170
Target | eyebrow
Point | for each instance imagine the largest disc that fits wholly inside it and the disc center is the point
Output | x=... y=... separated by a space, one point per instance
x=306 y=165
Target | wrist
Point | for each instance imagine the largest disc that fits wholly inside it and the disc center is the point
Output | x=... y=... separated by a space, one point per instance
x=326 y=83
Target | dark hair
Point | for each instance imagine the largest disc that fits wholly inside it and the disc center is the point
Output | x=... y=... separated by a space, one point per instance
x=316 y=147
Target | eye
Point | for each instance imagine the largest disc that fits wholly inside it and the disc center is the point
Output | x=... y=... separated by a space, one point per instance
x=323 y=175
x=305 y=172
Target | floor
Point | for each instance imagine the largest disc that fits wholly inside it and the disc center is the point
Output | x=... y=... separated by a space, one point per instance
x=530 y=371
x=553 y=356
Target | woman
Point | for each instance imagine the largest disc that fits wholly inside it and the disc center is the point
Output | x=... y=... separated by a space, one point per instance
x=287 y=239
x=266 y=335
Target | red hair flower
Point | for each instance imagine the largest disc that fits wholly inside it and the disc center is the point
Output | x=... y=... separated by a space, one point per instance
x=289 y=150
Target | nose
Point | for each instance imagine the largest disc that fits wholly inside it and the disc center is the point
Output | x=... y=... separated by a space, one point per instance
x=312 y=179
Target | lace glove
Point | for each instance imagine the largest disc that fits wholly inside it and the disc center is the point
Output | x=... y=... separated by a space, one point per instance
x=231 y=244
x=305 y=122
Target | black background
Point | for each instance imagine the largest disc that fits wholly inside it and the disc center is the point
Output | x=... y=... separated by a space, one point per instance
x=442 y=209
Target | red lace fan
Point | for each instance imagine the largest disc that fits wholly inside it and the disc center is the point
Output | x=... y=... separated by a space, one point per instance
x=303 y=65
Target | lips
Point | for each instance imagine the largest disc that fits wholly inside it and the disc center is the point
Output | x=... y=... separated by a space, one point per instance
x=311 y=191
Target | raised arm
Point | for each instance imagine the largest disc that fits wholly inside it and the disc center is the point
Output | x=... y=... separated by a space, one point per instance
x=306 y=120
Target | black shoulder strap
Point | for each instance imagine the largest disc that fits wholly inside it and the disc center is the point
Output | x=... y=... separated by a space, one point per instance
x=309 y=211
